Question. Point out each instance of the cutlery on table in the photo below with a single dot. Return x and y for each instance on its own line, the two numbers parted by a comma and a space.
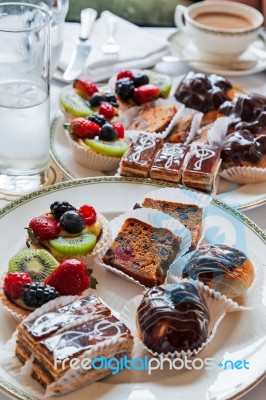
237, 65
111, 47
83, 46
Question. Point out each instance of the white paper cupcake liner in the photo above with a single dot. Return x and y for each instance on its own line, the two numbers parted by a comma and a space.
128, 115
195, 123
243, 175
254, 295
217, 306
184, 196
91, 159
158, 220
218, 131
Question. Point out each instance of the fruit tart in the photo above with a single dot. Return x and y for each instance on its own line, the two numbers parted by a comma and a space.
96, 143
140, 87
35, 277
84, 98
68, 232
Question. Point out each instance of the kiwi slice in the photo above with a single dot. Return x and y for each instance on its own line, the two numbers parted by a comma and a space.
115, 148
73, 246
163, 81
38, 263
72, 103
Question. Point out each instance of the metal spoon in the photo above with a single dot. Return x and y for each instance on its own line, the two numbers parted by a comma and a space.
238, 65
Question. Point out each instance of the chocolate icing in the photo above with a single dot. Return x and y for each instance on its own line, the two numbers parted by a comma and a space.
84, 337
170, 157
143, 150
244, 146
213, 262
247, 107
174, 318
52, 321
202, 159
257, 127
203, 93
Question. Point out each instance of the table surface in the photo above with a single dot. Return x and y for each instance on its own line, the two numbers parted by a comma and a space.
254, 83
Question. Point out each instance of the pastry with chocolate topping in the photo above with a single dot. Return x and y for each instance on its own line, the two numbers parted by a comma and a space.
139, 156
223, 268
201, 167
204, 93
243, 148
174, 318
247, 107
168, 162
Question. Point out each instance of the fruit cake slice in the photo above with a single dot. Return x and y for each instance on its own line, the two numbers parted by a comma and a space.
190, 215
153, 119
143, 252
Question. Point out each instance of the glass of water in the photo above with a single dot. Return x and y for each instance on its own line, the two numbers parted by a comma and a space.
24, 97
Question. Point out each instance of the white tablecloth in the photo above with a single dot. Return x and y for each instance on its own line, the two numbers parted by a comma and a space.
255, 83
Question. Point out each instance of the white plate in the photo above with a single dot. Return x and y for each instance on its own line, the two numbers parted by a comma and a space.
241, 335
240, 197
183, 47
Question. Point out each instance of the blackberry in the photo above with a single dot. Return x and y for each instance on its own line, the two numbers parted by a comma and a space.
58, 208
98, 119
36, 294
140, 79
72, 222
125, 88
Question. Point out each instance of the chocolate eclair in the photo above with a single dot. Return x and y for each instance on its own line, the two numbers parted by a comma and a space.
173, 318
223, 268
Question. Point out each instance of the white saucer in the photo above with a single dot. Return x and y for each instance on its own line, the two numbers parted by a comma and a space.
183, 47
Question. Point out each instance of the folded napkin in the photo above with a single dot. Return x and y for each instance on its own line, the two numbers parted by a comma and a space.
138, 49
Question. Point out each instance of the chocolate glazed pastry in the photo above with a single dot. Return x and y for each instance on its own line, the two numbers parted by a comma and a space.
243, 148
247, 107
257, 127
221, 267
204, 93
173, 318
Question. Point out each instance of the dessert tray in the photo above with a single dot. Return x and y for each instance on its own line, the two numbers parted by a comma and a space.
240, 197
241, 335
183, 47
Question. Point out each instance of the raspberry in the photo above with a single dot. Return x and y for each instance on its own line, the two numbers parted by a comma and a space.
88, 213
85, 87
44, 228
14, 284
119, 129
36, 294
69, 278
124, 74
107, 110
83, 128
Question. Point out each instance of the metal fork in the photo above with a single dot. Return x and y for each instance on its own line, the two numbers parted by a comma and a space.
111, 48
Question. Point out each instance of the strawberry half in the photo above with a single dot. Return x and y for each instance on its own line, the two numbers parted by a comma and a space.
69, 278
145, 93
85, 87
14, 284
83, 128
43, 228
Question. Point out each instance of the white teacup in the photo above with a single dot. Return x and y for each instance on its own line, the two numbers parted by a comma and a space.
219, 28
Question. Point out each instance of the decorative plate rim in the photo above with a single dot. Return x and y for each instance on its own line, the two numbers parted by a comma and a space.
10, 389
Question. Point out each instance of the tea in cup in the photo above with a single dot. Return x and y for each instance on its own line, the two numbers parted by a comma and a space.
219, 28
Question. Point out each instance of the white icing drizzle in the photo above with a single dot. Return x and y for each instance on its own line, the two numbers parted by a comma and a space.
101, 326
203, 154
145, 143
173, 153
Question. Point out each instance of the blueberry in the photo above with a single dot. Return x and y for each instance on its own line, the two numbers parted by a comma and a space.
140, 79
108, 132
98, 119
96, 99
72, 222
114, 104
110, 96
125, 88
